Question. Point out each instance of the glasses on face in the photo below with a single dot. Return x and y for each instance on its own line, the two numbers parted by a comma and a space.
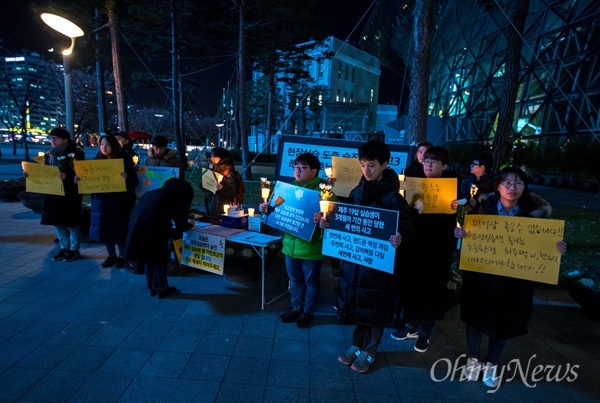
510, 184
301, 168
432, 162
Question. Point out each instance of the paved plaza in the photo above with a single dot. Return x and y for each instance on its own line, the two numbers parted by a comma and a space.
79, 332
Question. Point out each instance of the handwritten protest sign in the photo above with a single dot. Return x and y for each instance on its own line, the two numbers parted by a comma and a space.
517, 247
361, 235
203, 250
294, 209
43, 179
436, 193
100, 176
347, 174
210, 180
152, 177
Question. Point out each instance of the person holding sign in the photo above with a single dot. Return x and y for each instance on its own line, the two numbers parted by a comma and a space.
64, 212
366, 295
303, 259
110, 211
151, 227
159, 155
494, 305
422, 280
228, 189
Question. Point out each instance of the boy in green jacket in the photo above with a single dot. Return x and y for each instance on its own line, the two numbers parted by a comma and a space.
303, 259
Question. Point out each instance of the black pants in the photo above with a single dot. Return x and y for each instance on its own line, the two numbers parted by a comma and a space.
367, 338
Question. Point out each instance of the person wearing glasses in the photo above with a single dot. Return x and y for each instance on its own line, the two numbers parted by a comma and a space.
423, 277
481, 176
303, 259
492, 305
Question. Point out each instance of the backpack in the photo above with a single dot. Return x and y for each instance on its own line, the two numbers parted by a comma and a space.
239, 196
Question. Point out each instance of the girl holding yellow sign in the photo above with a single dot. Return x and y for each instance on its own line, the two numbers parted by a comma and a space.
495, 305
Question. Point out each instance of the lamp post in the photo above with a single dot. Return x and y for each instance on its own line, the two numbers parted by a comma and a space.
219, 125
72, 31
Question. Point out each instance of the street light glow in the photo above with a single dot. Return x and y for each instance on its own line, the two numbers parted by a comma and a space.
62, 25
71, 30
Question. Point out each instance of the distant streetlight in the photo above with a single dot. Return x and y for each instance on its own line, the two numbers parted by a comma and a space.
219, 125
72, 31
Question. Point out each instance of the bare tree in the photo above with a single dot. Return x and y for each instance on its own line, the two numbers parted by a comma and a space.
419, 71
506, 112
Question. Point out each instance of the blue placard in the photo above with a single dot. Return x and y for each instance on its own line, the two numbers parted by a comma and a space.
361, 235
293, 209
292, 146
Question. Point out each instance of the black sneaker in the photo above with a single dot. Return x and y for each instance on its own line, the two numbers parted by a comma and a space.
72, 255
60, 255
153, 293
304, 319
289, 316
110, 261
422, 344
405, 333
120, 263
166, 292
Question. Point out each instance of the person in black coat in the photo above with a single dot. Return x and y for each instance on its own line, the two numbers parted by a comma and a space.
64, 212
150, 230
481, 176
415, 169
110, 211
227, 188
494, 305
366, 295
422, 280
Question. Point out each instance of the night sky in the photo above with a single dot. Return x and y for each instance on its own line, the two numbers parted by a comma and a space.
21, 29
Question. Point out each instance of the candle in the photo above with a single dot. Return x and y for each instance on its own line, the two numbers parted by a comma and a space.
250, 211
41, 154
401, 177
226, 208
329, 172
459, 241
324, 204
135, 159
265, 193
402, 192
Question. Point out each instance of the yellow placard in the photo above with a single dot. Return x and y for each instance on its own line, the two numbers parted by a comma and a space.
436, 194
43, 179
100, 176
347, 174
177, 245
517, 247
210, 180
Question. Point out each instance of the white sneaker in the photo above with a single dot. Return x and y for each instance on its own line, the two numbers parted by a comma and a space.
471, 369
489, 375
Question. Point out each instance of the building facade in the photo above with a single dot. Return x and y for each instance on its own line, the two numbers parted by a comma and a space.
559, 80
31, 96
338, 99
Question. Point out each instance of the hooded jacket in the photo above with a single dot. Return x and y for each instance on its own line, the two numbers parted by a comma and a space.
64, 210
496, 305
366, 295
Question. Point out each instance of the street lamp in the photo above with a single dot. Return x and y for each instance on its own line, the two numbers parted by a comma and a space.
72, 31
219, 125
